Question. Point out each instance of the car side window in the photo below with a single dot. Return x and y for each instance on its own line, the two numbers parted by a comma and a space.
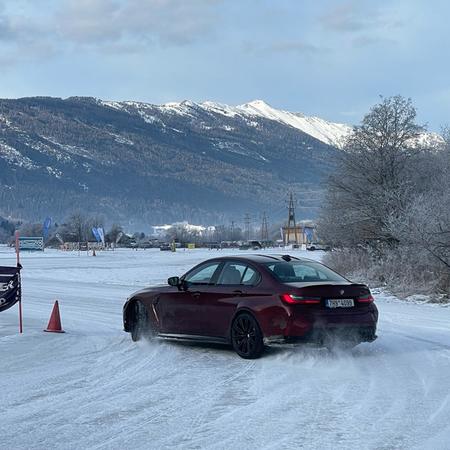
231, 273
203, 274
237, 273
251, 277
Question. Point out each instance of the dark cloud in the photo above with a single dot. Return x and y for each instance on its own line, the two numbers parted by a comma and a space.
5, 29
168, 22
344, 17
295, 47
292, 47
22, 39
106, 25
10, 30
353, 17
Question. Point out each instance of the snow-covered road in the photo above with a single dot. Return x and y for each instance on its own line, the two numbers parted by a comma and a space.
94, 388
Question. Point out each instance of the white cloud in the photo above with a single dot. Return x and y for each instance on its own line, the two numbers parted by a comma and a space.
107, 25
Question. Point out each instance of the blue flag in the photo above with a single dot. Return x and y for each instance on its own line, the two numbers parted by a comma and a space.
46, 227
309, 233
96, 234
101, 235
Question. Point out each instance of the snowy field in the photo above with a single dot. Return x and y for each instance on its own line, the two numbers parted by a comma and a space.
92, 387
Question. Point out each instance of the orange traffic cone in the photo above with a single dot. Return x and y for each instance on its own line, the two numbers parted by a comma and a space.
54, 324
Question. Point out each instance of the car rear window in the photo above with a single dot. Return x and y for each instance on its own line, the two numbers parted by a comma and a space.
302, 272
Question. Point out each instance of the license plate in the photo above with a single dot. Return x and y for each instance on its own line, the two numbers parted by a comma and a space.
340, 303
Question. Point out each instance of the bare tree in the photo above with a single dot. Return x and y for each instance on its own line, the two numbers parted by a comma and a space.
78, 227
388, 204
114, 232
31, 229
424, 223
373, 179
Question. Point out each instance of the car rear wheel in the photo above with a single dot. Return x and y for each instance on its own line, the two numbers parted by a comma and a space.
139, 322
246, 337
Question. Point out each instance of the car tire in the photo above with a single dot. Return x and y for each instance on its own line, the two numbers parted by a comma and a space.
139, 322
246, 336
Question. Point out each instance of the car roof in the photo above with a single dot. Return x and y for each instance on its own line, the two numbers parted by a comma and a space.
258, 258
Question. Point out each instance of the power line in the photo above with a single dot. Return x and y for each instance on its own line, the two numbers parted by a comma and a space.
291, 223
264, 229
247, 225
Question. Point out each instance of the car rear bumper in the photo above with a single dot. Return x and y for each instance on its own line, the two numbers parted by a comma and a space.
323, 336
318, 326
338, 333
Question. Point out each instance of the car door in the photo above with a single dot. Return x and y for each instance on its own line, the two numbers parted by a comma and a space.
180, 311
235, 282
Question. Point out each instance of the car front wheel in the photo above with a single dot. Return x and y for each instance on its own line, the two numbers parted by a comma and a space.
139, 322
246, 337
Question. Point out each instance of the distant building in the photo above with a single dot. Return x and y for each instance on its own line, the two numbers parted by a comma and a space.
302, 233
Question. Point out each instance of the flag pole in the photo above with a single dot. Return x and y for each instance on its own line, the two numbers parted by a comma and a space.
20, 287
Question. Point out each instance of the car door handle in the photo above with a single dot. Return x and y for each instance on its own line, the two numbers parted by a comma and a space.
238, 292
196, 294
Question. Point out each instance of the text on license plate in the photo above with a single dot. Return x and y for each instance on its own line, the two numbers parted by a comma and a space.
340, 303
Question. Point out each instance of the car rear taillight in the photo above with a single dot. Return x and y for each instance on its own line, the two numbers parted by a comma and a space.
366, 298
292, 299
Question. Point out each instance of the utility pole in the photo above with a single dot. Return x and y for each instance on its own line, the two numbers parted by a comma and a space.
291, 224
232, 231
264, 229
247, 222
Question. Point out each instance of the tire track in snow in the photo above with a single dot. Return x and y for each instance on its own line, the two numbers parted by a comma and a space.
173, 410
233, 384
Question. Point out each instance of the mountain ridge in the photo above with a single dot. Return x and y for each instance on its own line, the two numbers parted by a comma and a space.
141, 164
331, 133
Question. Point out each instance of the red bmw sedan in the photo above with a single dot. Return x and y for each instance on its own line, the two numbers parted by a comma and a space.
253, 300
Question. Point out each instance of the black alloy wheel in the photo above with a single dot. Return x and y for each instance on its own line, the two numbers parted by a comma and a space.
246, 337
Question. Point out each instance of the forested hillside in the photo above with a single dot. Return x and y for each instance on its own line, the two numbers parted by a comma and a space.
139, 164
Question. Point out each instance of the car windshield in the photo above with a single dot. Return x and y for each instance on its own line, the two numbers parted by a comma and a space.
302, 272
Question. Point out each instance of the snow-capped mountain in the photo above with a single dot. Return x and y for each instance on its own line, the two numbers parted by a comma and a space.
145, 164
328, 132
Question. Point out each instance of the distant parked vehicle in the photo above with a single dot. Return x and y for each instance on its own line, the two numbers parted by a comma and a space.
129, 243
253, 300
318, 246
145, 245
253, 245
165, 247
229, 244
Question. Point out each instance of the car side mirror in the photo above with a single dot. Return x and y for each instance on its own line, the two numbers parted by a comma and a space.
174, 281
181, 284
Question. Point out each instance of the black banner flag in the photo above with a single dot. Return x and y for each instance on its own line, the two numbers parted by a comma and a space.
10, 292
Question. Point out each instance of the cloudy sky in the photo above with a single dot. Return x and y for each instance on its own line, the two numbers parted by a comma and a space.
329, 58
